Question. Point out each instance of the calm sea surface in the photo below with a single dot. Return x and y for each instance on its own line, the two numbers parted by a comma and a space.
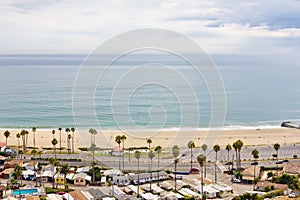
36, 90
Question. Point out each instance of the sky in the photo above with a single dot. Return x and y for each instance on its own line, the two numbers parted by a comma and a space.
220, 27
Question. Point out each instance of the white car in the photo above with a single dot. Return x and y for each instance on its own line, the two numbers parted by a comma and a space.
292, 195
236, 180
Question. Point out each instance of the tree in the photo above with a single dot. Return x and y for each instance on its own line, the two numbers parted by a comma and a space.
54, 163
216, 149
254, 153
234, 145
34, 131
149, 141
24, 135
59, 129
21, 152
137, 156
67, 130
69, 143
34, 152
94, 163
151, 156
277, 147
118, 140
64, 169
158, 151
6, 134
204, 148
123, 138
54, 143
73, 137
175, 152
53, 133
18, 172
201, 159
18, 136
191, 145
238, 146
40, 166
93, 132
228, 149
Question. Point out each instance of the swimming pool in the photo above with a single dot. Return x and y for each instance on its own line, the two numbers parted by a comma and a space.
25, 191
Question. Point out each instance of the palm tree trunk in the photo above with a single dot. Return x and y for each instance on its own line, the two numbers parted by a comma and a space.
228, 161
33, 140
216, 167
158, 169
73, 142
205, 166
59, 142
151, 175
123, 156
175, 176
202, 179
138, 178
191, 159
119, 157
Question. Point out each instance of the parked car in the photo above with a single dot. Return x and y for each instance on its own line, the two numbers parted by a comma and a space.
236, 180
292, 195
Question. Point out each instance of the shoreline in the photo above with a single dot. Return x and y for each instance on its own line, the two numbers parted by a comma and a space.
256, 136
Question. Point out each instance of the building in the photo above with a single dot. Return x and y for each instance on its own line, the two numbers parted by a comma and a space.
223, 190
149, 196
28, 175
12, 163
189, 193
112, 172
121, 180
248, 173
292, 168
7, 173
2, 146
78, 195
59, 179
31, 165
146, 177
263, 185
82, 179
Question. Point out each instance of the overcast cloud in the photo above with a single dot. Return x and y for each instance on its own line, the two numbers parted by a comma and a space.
77, 26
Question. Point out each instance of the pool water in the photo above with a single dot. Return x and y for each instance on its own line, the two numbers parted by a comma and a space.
25, 191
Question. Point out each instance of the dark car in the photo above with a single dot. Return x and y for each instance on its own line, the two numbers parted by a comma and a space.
254, 163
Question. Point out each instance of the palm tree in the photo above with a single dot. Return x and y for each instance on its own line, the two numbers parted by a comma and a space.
33, 130
149, 141
67, 130
69, 141
123, 138
216, 149
18, 172
175, 152
201, 159
151, 155
228, 149
6, 134
59, 129
93, 132
18, 136
158, 151
234, 145
54, 143
191, 145
64, 169
137, 156
21, 152
204, 148
34, 152
53, 163
53, 133
24, 135
255, 153
118, 140
39, 166
277, 147
238, 146
94, 163
73, 131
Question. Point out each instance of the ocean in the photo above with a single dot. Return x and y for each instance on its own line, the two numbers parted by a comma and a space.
37, 90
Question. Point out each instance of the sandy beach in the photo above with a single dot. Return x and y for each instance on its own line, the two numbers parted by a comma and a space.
165, 138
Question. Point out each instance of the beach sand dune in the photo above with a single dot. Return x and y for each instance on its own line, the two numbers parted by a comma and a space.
165, 138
